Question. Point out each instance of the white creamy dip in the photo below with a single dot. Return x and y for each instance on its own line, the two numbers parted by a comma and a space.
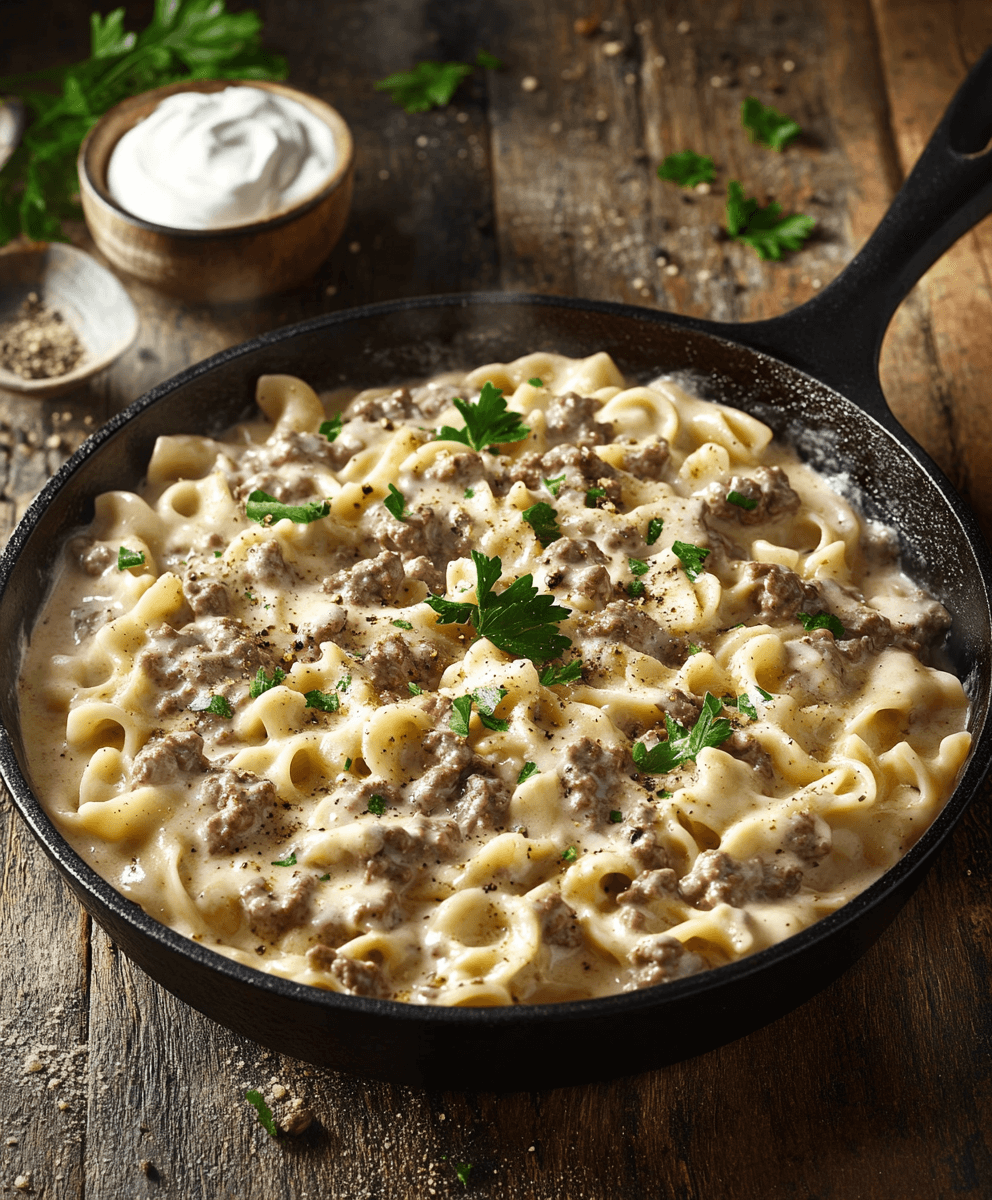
208, 160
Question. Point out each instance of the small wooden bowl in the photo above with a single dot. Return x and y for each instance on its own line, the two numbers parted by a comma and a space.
94, 304
238, 262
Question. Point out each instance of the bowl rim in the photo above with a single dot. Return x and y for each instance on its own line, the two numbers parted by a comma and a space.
340, 131
42, 388
909, 868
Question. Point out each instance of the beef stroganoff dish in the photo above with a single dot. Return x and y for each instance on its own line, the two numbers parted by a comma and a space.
514, 686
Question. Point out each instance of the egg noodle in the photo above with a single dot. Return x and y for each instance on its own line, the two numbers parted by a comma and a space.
252, 722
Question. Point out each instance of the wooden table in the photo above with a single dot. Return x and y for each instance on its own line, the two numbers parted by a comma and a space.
879, 1087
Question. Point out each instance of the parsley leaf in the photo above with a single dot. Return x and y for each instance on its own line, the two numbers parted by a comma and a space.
554, 485
129, 558
543, 519
635, 588
395, 502
822, 620
766, 696
517, 620
461, 715
594, 495
616, 816
536, 382
343, 684
330, 429
553, 676
286, 862
487, 422
683, 744
694, 649
347, 764
39, 185
267, 509
402, 624
469, 493
265, 1118
766, 125
655, 526
570, 855
415, 689
526, 771
328, 702
687, 169
486, 700
428, 85
746, 706
377, 805
462, 1171
488, 62
217, 705
742, 501
638, 566
263, 683
691, 557
764, 229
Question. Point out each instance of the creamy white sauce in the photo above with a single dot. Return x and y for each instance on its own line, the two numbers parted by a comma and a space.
210, 160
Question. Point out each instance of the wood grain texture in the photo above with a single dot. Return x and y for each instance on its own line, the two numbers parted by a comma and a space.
879, 1088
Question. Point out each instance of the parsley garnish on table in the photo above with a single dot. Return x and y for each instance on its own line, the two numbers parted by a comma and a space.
684, 744
265, 1118
487, 421
766, 125
517, 620
687, 169
765, 230
266, 509
186, 39
432, 84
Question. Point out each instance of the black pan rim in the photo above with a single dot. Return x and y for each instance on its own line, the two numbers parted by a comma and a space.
113, 902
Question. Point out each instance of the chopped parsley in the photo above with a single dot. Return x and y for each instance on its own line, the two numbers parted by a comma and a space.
543, 519
638, 566
265, 1118
594, 495
526, 771
263, 682
432, 84
377, 805
535, 382
402, 624
742, 501
616, 816
462, 1171
694, 649
765, 230
343, 684
330, 429
347, 764
395, 502
487, 61
415, 689
554, 485
570, 855
687, 169
552, 676
766, 125
655, 526
218, 554
469, 493
635, 588
487, 422
323, 878
129, 558
328, 702
691, 557
286, 862
684, 744
746, 706
763, 694
822, 620
216, 705
517, 620
486, 700
267, 510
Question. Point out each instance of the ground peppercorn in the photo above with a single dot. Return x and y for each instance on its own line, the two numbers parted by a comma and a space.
39, 344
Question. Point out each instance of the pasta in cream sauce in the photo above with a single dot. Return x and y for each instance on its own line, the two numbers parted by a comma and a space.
260, 730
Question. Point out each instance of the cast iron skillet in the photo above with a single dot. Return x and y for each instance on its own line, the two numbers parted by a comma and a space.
812, 375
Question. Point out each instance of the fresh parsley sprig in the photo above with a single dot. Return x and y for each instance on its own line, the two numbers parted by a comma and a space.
687, 169
543, 519
684, 744
432, 84
186, 39
487, 422
517, 620
266, 509
766, 125
764, 229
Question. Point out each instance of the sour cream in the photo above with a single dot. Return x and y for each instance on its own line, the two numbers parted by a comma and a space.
206, 160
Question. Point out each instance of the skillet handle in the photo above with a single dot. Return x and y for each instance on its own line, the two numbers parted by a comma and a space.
837, 336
